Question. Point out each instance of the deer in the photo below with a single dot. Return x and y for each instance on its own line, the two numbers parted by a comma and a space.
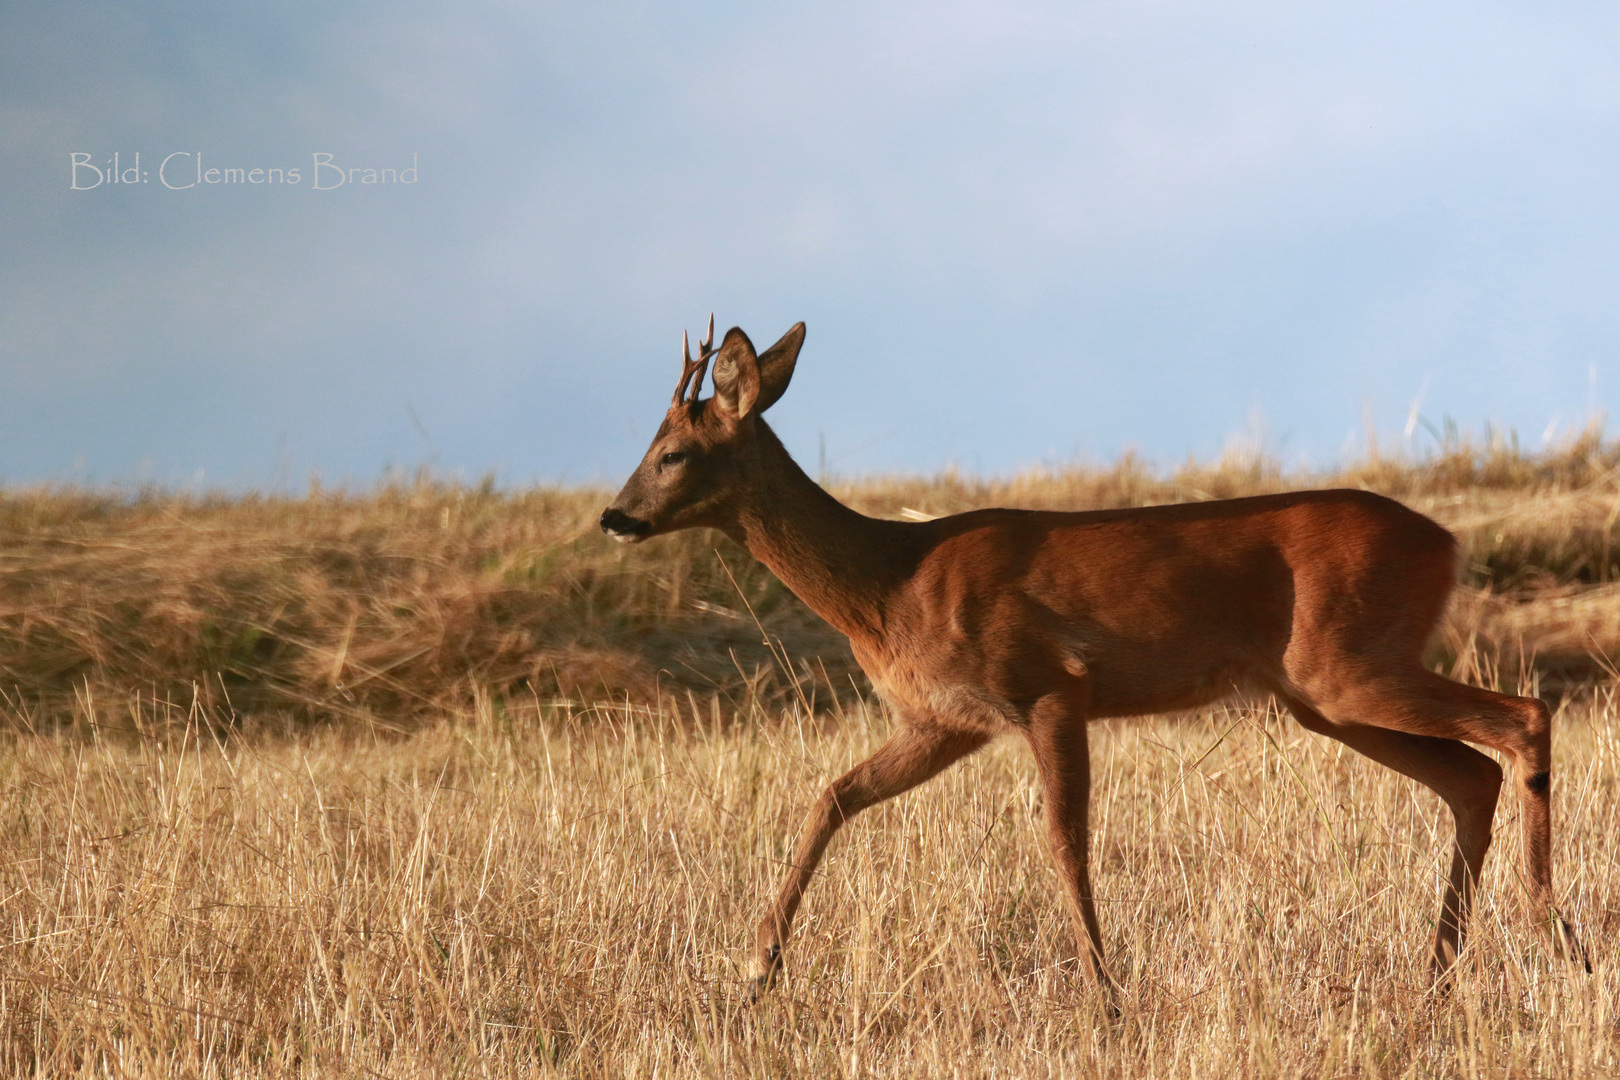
1040, 623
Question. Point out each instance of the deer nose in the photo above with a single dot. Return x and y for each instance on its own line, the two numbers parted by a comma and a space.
621, 526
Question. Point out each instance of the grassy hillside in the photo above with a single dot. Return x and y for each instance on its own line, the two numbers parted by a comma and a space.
407, 599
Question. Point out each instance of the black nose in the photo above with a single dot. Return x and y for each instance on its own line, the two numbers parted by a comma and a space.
616, 522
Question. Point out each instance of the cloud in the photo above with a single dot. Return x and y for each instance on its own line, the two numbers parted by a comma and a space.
1020, 230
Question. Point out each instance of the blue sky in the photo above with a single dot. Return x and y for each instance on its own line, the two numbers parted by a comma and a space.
1020, 233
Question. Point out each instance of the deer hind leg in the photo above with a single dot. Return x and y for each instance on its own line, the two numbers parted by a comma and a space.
1057, 735
1464, 778
912, 755
1423, 703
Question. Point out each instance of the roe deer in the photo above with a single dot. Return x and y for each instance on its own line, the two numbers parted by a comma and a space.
1038, 622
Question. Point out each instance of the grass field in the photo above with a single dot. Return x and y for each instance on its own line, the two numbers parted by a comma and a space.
533, 892
431, 781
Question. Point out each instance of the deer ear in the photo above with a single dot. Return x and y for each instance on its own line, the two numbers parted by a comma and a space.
776, 367
736, 376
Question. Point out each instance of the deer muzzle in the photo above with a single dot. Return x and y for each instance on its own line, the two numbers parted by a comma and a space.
624, 528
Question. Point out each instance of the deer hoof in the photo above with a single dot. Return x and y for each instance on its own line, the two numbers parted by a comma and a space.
768, 967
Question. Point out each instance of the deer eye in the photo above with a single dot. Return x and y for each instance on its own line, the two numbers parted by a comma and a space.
673, 458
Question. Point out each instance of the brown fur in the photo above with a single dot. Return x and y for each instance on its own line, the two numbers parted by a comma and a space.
1037, 622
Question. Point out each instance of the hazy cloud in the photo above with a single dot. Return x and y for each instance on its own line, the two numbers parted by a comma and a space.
1018, 231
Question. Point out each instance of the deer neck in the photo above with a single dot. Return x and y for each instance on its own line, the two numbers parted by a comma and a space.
844, 565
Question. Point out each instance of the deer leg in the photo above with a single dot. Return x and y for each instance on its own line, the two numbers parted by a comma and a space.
1424, 703
1532, 774
1464, 778
913, 754
1057, 735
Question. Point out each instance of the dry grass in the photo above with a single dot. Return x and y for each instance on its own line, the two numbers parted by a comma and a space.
538, 892
406, 600
457, 788
400, 601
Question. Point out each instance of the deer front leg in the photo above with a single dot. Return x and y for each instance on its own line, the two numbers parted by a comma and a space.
1057, 735
913, 754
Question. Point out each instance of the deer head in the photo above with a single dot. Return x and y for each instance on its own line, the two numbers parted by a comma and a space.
703, 459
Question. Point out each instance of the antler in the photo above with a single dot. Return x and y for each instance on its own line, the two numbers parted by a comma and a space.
690, 367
